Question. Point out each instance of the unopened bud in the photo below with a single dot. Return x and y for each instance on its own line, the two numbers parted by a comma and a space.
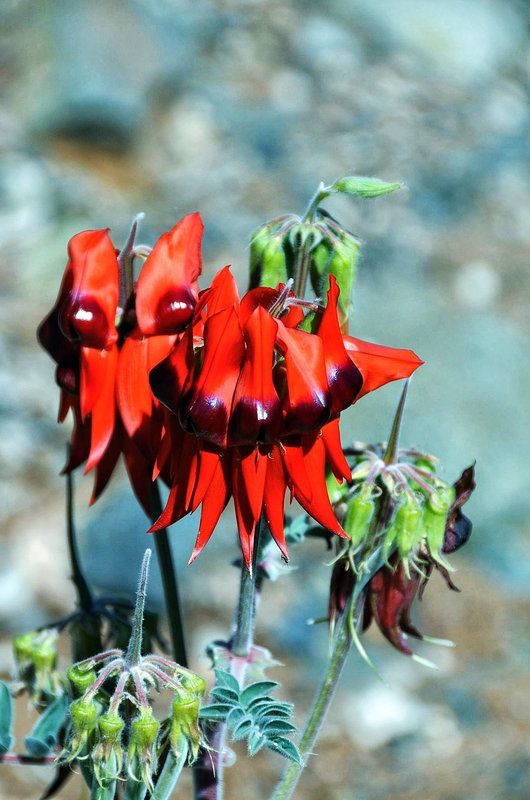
184, 720
107, 755
435, 517
193, 683
357, 520
81, 679
142, 755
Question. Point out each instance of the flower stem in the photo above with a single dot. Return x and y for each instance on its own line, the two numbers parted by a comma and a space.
169, 581
83, 591
134, 651
246, 604
208, 769
342, 645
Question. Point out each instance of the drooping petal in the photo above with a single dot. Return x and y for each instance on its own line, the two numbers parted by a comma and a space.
316, 502
103, 413
136, 403
344, 379
214, 503
89, 310
306, 403
256, 412
379, 364
205, 409
334, 453
390, 594
170, 379
49, 333
167, 290
274, 497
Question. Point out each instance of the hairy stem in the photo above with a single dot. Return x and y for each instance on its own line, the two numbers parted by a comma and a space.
169, 581
290, 778
208, 769
134, 650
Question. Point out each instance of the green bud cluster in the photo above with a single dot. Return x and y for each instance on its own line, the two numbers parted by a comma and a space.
409, 501
36, 665
117, 735
327, 248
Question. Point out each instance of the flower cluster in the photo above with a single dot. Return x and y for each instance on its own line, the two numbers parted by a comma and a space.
221, 396
105, 333
402, 519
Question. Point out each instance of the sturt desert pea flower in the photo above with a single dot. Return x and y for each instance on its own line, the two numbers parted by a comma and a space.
255, 404
105, 336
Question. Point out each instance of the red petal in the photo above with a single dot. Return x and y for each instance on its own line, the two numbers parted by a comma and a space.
316, 503
89, 310
167, 290
135, 400
391, 594
274, 498
334, 454
205, 410
344, 379
222, 293
103, 414
379, 364
105, 466
214, 503
256, 412
171, 378
307, 402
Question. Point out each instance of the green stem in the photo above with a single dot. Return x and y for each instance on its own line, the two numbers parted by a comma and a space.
391, 448
246, 604
208, 769
317, 715
134, 650
83, 591
169, 581
321, 193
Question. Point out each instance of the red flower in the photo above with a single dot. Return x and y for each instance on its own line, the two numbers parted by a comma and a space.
104, 356
256, 403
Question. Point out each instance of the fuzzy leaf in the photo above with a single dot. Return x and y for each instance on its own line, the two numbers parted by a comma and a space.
285, 747
256, 691
270, 707
225, 695
357, 186
217, 712
278, 727
6, 715
242, 729
236, 715
256, 740
225, 679
45, 733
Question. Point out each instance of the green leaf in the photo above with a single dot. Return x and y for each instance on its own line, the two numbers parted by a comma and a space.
236, 714
45, 733
6, 715
242, 729
357, 186
225, 695
223, 678
285, 747
278, 727
255, 691
271, 707
256, 740
217, 712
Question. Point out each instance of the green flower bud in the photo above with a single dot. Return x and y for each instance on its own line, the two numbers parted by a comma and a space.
142, 756
193, 683
343, 265
83, 715
404, 530
184, 720
80, 678
357, 520
23, 647
435, 518
273, 267
107, 756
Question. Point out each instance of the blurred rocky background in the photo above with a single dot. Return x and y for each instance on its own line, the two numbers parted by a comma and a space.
238, 109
